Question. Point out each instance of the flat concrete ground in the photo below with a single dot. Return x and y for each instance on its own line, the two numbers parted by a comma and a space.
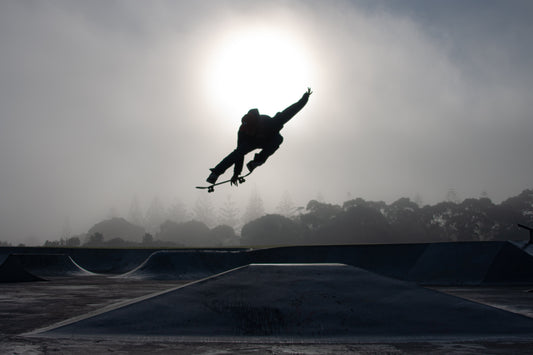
516, 299
28, 306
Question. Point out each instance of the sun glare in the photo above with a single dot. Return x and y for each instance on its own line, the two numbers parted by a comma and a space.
260, 68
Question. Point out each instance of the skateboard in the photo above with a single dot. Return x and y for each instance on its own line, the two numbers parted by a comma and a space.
211, 188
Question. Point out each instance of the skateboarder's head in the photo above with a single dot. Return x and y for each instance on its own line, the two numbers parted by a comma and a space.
251, 117
253, 112
249, 121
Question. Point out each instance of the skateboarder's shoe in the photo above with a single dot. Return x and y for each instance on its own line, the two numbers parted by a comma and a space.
212, 178
251, 165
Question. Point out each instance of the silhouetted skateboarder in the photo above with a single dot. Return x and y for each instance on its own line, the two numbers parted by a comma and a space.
257, 132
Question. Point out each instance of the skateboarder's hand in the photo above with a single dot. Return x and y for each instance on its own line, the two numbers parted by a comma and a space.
234, 180
308, 92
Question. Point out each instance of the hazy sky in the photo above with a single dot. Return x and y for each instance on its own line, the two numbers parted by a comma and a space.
101, 101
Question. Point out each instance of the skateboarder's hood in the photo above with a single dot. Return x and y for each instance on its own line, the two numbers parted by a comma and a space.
251, 120
251, 117
254, 112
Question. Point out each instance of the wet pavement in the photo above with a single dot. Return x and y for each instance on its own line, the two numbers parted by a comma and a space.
31, 305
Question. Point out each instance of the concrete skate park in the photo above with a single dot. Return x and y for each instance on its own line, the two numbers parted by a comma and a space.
468, 297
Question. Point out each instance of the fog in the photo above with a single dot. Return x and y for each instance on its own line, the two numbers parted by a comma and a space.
102, 102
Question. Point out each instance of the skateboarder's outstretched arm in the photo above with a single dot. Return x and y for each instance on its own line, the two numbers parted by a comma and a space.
285, 115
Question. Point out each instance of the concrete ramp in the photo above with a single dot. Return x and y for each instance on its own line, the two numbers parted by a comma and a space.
393, 260
454, 263
305, 302
512, 265
11, 270
459, 263
50, 265
3, 257
472, 263
187, 265
109, 260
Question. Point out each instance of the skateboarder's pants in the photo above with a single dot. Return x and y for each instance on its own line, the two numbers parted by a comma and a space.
267, 149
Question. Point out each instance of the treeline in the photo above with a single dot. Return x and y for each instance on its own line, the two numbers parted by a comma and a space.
119, 233
356, 221
403, 221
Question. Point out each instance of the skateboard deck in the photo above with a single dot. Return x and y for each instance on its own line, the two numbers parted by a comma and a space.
211, 187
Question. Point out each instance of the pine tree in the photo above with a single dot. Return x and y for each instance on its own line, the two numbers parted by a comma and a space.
418, 200
112, 213
135, 214
451, 196
155, 216
204, 211
255, 208
177, 212
286, 206
66, 233
228, 214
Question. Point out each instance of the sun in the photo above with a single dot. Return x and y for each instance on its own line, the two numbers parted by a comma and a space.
260, 68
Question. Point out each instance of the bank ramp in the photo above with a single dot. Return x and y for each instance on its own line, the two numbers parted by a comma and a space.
456, 263
50, 265
296, 303
11, 270
187, 265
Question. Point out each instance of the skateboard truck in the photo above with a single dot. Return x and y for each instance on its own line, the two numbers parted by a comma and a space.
212, 188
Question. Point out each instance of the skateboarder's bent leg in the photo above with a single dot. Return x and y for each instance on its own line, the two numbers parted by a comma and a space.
268, 149
225, 163
232, 158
